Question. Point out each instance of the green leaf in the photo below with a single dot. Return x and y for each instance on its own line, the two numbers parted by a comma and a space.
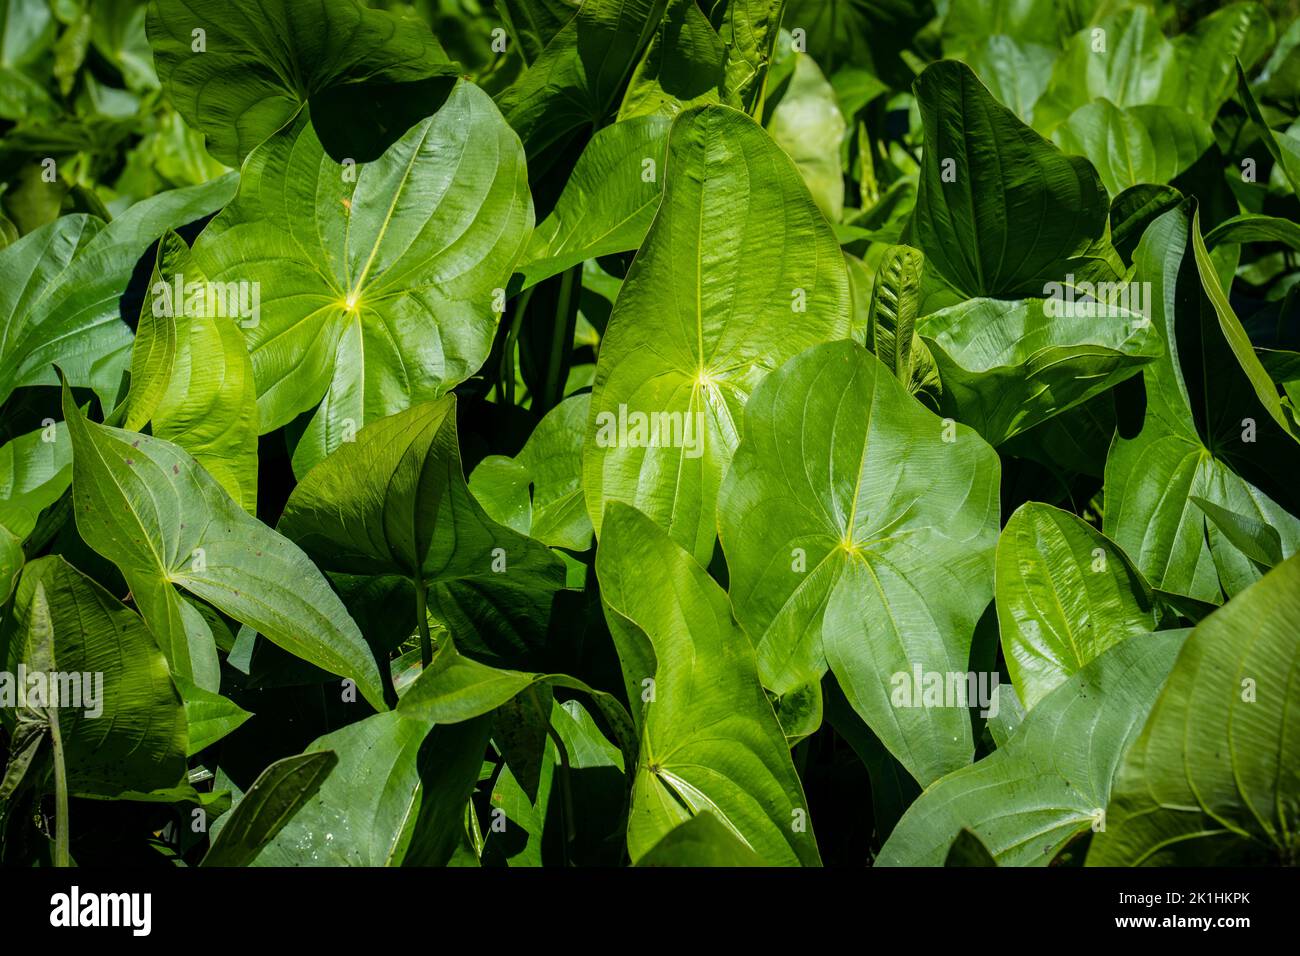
378, 284
1256, 540
126, 729
396, 797
1137, 66
808, 125
59, 288
455, 688
279, 791
891, 322
27, 31
553, 457
210, 716
857, 534
1136, 208
35, 471
750, 32
1052, 780
1212, 780
578, 78
149, 507
1212, 428
1033, 21
607, 203
11, 562
682, 67
1284, 148
118, 33
1124, 57
261, 61
709, 738
1280, 79
34, 719
1015, 71
1206, 54
534, 23
1065, 593
1141, 144
872, 34
191, 375
545, 480
154, 351
1250, 227
503, 487
988, 212
1009, 716
395, 501
1008, 366
700, 841
738, 273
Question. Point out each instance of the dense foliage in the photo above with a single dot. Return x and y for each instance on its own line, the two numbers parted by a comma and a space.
666, 432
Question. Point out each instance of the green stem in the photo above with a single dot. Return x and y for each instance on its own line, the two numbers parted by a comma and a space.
508, 375
422, 619
566, 320
61, 857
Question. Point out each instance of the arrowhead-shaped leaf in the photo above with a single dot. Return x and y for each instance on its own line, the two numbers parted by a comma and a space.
1213, 428
738, 273
395, 501
710, 740
152, 510
1214, 778
859, 530
376, 282
455, 688
210, 716
1052, 780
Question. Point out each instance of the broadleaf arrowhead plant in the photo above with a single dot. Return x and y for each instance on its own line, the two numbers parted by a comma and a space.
649, 433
